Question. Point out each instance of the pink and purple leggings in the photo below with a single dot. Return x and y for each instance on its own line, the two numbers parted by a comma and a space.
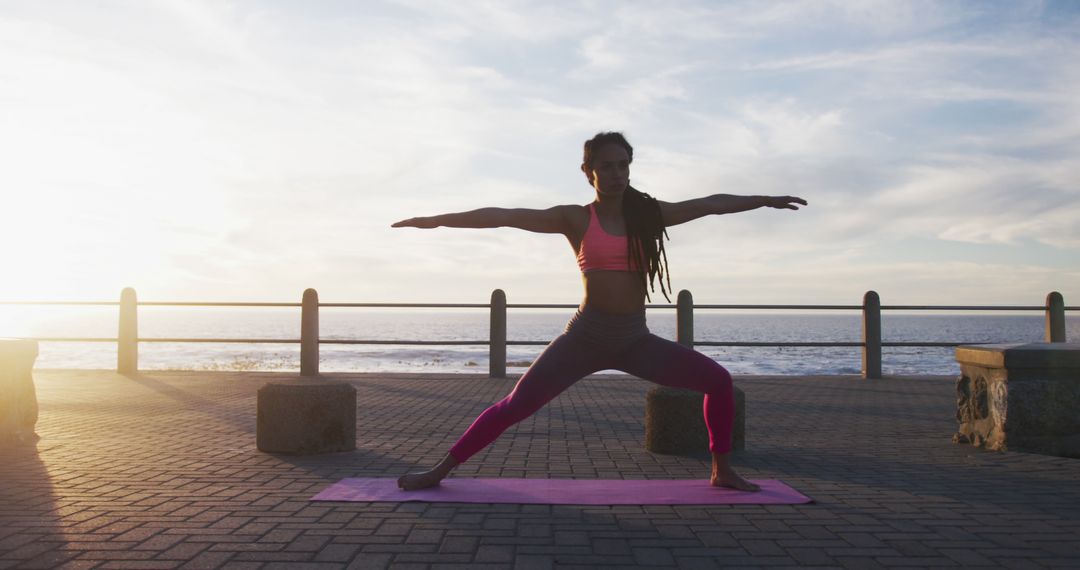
596, 341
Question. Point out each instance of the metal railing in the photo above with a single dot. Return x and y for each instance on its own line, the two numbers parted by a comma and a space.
128, 338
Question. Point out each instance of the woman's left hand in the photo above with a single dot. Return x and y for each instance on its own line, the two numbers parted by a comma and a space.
784, 202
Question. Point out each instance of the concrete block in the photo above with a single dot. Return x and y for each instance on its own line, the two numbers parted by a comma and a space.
675, 421
18, 398
306, 417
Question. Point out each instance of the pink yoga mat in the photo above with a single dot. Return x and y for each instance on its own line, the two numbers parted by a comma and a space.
564, 492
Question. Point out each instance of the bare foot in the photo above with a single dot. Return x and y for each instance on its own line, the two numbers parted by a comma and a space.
724, 476
414, 481
732, 480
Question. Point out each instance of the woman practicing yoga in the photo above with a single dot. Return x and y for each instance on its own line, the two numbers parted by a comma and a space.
619, 243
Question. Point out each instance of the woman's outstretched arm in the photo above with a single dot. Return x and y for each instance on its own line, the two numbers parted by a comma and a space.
675, 213
556, 220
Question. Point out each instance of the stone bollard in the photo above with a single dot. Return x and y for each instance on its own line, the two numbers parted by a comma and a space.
675, 422
1020, 397
18, 398
306, 417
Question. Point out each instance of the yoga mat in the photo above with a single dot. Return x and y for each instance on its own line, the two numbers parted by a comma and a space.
564, 492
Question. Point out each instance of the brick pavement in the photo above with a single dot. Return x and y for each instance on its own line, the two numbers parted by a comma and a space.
160, 470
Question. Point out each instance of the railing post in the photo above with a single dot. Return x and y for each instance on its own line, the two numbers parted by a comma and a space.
127, 343
684, 319
1055, 317
871, 357
309, 334
497, 347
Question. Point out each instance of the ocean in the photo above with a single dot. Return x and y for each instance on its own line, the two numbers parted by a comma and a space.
522, 324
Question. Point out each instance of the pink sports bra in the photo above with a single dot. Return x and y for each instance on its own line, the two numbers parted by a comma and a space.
601, 250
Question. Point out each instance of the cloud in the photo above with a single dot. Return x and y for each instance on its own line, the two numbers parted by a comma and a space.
785, 130
601, 54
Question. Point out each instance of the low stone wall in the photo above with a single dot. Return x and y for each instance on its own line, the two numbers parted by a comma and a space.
1020, 397
18, 399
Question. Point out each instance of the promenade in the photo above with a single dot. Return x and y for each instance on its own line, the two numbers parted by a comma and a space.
160, 470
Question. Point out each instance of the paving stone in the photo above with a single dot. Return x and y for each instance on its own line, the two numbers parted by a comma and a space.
859, 562
811, 556
534, 562
280, 535
494, 553
366, 561
48, 559
337, 553
139, 565
696, 563
762, 547
307, 544
207, 560
651, 557
459, 544
301, 566
287, 557
424, 537
967, 557
76, 565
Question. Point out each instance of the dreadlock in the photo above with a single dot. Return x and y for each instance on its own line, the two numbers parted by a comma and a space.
644, 224
646, 229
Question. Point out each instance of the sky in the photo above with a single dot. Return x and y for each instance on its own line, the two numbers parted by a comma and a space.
247, 151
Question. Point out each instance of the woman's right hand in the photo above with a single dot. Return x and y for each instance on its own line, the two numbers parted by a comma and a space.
420, 222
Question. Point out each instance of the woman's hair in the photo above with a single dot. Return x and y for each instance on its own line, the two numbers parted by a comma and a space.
644, 224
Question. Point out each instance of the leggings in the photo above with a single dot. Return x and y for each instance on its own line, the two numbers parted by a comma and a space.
597, 341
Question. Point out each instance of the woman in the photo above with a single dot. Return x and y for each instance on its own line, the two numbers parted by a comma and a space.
608, 331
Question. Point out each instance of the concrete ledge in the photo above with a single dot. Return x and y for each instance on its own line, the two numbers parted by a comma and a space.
675, 422
18, 398
1014, 356
1020, 397
306, 417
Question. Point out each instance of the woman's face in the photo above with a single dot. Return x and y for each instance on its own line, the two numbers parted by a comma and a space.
609, 172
